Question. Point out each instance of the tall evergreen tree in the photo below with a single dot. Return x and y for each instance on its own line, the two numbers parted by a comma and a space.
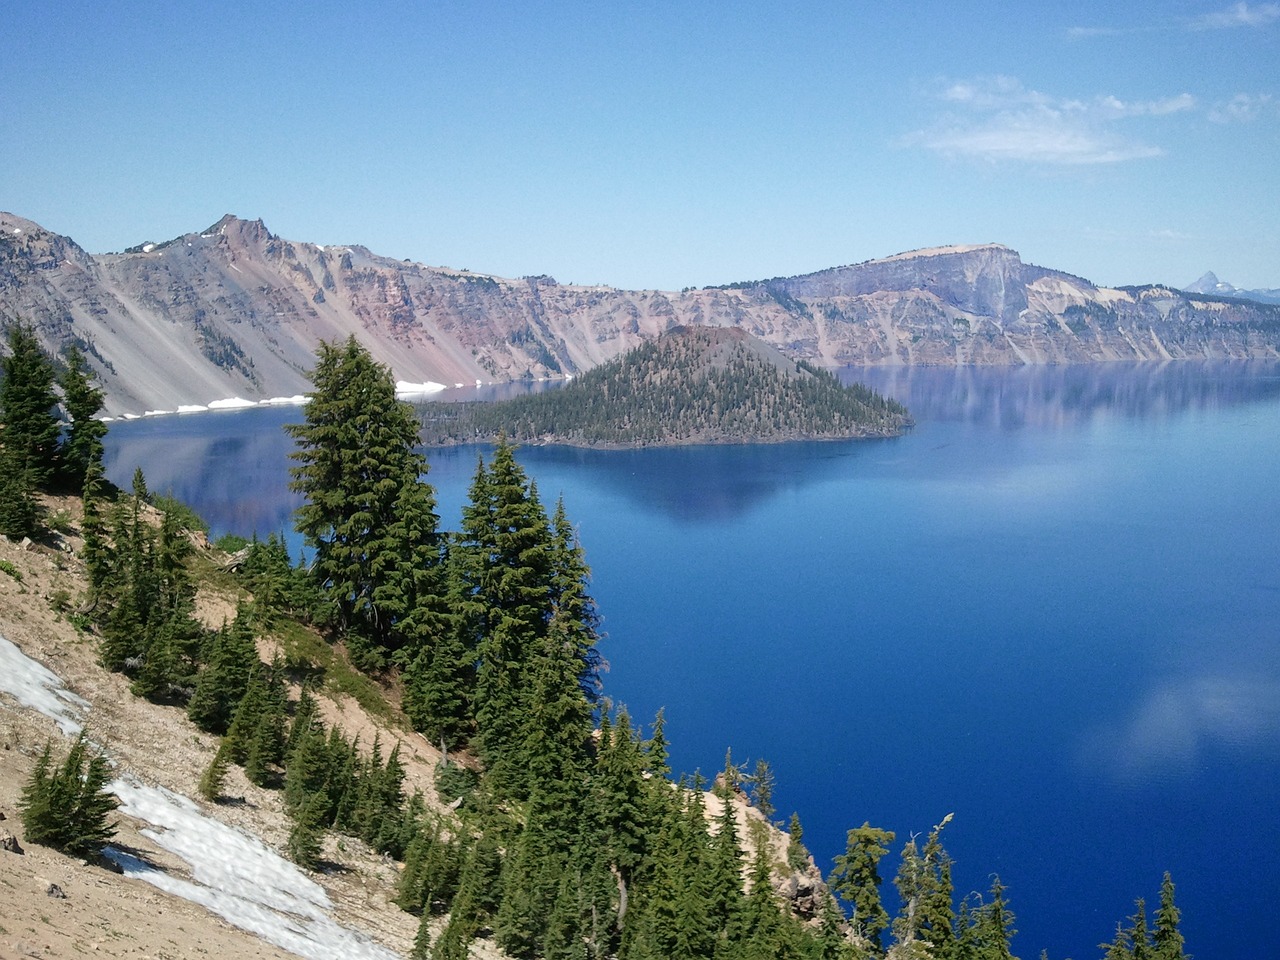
19, 510
29, 426
994, 923
1139, 938
936, 910
856, 879
225, 678
82, 401
357, 469
1167, 938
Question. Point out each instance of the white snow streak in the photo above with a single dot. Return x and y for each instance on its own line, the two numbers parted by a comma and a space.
234, 875
238, 878
406, 389
34, 685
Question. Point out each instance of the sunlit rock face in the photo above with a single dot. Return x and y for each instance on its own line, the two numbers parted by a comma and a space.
235, 311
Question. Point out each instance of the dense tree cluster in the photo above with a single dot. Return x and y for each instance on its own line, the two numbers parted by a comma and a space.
39, 452
693, 385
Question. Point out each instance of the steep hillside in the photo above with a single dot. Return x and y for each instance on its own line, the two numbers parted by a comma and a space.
196, 877
234, 310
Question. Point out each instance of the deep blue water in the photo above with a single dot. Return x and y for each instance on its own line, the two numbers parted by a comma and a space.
1052, 609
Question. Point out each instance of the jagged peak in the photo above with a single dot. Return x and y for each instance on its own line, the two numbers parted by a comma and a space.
230, 223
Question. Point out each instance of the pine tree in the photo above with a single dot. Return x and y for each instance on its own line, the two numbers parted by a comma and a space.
1139, 939
307, 770
212, 779
856, 879
249, 711
19, 511
357, 467
506, 535
797, 853
307, 836
936, 911
68, 808
1167, 939
266, 744
29, 427
422, 939
96, 556
225, 678
81, 400
994, 923
1120, 946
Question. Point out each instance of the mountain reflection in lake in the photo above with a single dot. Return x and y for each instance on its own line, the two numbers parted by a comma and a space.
1052, 608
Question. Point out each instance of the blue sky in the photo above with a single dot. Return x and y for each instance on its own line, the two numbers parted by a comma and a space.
659, 145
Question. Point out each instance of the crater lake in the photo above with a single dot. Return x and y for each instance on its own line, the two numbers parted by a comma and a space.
1052, 609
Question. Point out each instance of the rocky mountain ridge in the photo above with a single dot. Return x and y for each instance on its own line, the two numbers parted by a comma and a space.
1209, 283
235, 310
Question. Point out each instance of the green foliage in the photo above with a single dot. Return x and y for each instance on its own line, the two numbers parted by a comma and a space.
307, 834
68, 807
1167, 939
29, 427
82, 401
182, 515
454, 781
856, 880
212, 779
19, 512
231, 543
367, 514
144, 597
222, 684
694, 384
925, 891
11, 570
797, 854
984, 931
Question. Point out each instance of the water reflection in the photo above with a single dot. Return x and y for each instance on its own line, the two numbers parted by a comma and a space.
233, 467
1014, 397
1170, 731
705, 484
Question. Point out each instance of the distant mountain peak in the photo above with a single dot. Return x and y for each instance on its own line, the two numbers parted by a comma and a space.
1210, 284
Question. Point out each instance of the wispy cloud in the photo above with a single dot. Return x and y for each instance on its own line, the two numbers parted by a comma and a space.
1238, 15
998, 119
1244, 107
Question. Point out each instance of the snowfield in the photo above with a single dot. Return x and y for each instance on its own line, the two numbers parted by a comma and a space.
35, 686
232, 874
237, 877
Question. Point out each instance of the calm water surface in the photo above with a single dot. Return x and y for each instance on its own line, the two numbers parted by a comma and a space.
1052, 609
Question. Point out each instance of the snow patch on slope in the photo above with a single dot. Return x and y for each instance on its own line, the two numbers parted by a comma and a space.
237, 877
34, 685
234, 875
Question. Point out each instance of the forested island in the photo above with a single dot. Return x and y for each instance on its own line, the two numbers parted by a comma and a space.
555, 827
690, 385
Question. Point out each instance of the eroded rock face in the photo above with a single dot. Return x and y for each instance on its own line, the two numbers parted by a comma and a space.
234, 310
